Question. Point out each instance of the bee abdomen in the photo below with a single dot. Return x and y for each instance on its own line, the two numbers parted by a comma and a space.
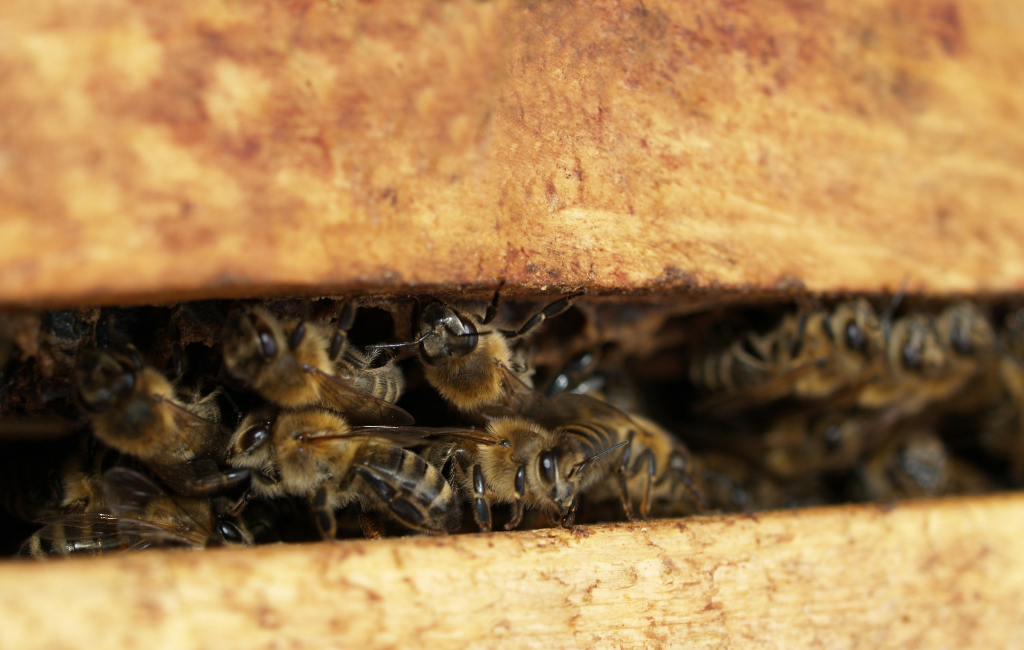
595, 436
383, 383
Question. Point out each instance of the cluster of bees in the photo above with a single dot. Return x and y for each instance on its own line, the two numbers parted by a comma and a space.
250, 422
851, 404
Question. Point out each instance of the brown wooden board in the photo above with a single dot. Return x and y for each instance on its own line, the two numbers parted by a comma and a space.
922, 575
159, 150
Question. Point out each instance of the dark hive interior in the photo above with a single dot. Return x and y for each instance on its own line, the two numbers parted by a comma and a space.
687, 406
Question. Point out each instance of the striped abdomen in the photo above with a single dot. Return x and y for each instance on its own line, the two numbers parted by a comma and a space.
385, 383
414, 491
595, 436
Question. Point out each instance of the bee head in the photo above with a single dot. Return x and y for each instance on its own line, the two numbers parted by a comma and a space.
445, 333
966, 330
250, 447
915, 345
103, 380
228, 533
252, 340
856, 327
556, 473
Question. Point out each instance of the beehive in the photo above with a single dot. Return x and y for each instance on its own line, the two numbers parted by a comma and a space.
159, 151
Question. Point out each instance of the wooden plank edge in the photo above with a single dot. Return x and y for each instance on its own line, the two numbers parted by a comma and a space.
926, 574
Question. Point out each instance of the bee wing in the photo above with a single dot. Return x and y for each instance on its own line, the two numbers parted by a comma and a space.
213, 436
357, 406
79, 526
568, 407
129, 494
411, 436
517, 398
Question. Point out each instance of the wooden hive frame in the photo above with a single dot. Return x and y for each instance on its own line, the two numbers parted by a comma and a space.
161, 151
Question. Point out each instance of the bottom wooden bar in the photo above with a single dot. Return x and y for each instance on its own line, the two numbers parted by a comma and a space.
930, 574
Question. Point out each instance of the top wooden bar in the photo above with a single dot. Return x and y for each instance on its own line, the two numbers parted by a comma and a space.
159, 150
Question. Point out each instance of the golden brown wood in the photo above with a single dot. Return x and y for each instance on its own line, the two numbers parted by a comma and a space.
153, 150
926, 575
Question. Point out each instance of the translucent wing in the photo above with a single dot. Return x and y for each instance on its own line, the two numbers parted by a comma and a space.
517, 397
357, 406
143, 508
90, 533
411, 436
79, 526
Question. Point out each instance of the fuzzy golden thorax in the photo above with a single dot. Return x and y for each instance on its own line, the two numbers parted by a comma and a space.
462, 358
304, 462
258, 352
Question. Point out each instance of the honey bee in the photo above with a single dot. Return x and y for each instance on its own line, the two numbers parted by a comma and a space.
469, 361
135, 410
931, 360
811, 355
139, 514
578, 446
298, 364
916, 464
807, 442
316, 453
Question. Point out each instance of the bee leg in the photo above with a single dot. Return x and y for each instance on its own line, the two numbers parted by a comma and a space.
624, 475
404, 510
237, 507
213, 483
481, 506
550, 311
325, 520
520, 502
492, 309
569, 518
652, 468
372, 525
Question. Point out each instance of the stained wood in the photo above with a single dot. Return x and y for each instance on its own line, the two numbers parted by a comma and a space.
160, 149
925, 575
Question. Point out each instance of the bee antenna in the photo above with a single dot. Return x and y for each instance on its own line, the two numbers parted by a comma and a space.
408, 344
580, 466
894, 304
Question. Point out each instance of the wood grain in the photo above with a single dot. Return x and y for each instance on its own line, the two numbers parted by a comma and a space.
158, 150
923, 575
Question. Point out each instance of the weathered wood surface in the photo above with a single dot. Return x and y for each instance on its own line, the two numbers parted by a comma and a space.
160, 149
927, 575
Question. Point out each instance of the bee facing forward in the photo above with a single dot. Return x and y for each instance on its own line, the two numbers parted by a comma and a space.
468, 360
297, 364
315, 453
136, 410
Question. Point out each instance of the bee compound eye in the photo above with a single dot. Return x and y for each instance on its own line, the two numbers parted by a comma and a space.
268, 346
230, 532
960, 339
855, 336
255, 437
833, 436
912, 357
548, 466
